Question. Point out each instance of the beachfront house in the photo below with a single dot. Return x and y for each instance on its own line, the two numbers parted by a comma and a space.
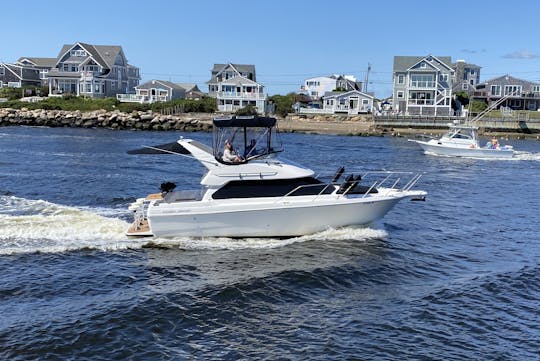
94, 71
235, 87
522, 94
466, 77
42, 64
17, 76
161, 91
350, 102
317, 87
423, 85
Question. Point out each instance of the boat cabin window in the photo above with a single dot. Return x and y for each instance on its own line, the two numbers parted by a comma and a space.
245, 138
272, 188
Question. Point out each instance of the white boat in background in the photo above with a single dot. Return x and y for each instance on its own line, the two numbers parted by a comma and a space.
259, 195
462, 141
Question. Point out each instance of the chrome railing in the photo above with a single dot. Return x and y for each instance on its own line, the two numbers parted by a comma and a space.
398, 177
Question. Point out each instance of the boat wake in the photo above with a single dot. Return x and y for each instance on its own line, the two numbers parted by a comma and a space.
32, 226
225, 243
518, 156
29, 226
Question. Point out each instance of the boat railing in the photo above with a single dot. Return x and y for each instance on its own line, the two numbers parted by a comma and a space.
414, 178
396, 176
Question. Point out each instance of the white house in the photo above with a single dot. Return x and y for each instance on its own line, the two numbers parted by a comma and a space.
317, 87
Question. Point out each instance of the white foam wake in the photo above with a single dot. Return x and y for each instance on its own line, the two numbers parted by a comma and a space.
224, 243
28, 226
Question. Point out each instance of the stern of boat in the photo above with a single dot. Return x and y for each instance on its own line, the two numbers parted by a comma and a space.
140, 226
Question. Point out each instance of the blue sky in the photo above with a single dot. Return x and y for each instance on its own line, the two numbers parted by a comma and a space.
287, 41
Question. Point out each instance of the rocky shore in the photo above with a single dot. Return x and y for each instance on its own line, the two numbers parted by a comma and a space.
359, 125
104, 119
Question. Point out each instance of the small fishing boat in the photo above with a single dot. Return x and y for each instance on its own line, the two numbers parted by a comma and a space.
462, 141
248, 191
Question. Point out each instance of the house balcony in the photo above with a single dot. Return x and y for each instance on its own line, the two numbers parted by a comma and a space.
241, 95
423, 84
421, 102
89, 75
137, 98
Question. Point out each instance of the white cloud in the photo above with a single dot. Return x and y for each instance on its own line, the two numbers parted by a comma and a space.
520, 54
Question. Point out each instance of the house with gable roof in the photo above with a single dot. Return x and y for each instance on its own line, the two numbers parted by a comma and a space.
95, 71
349, 102
317, 87
235, 86
16, 76
161, 91
423, 85
521, 94
42, 64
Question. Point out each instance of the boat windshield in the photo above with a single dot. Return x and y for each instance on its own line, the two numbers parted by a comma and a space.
240, 139
459, 133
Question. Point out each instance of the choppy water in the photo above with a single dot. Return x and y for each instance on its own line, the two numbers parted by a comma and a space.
454, 278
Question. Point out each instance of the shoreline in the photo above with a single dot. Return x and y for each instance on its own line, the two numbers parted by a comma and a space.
354, 126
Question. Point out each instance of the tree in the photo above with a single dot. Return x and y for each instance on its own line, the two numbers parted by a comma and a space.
284, 103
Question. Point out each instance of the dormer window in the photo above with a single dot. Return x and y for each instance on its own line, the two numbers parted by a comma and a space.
77, 53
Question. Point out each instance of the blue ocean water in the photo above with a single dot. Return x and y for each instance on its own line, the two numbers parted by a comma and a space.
456, 277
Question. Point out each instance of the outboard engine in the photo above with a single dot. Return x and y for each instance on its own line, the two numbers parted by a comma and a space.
167, 187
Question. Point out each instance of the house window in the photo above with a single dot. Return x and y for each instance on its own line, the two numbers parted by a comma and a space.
512, 89
401, 79
74, 68
2, 71
78, 53
464, 86
65, 67
88, 87
423, 80
365, 101
443, 77
422, 65
535, 88
314, 94
400, 94
495, 90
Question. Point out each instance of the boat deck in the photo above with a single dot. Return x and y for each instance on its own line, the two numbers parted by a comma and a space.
140, 229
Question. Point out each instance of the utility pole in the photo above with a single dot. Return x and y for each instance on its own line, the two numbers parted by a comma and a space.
367, 77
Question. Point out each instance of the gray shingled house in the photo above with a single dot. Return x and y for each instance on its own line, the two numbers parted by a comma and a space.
16, 76
95, 71
522, 94
44, 65
423, 85
235, 86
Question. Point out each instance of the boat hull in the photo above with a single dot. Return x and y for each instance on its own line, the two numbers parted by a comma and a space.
438, 149
269, 219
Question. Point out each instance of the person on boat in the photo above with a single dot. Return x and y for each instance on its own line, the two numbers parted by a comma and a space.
229, 155
494, 143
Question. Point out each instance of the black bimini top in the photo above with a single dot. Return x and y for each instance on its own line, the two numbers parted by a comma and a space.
245, 121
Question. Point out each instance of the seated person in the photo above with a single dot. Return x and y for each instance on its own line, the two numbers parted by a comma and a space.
229, 155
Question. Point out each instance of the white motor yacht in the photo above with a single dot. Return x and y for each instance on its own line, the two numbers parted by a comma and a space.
251, 192
462, 141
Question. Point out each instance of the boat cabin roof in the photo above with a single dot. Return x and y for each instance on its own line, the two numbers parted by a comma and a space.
246, 137
252, 121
